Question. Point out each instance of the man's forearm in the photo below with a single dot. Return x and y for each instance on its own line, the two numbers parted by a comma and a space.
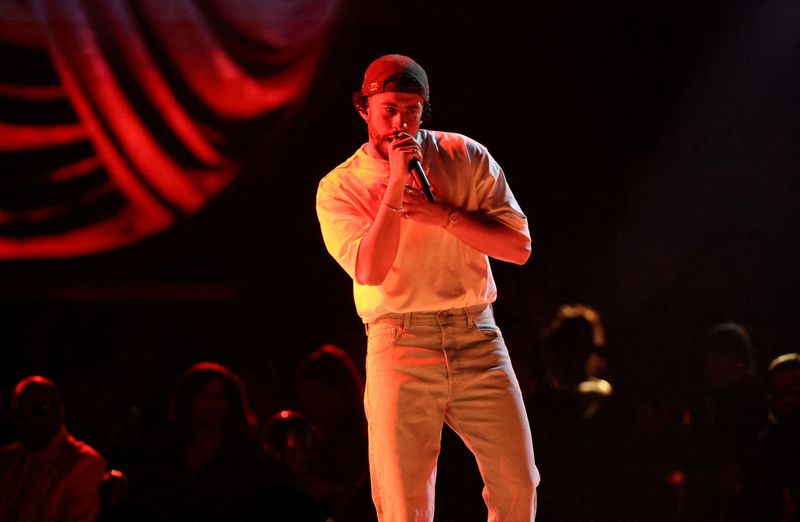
379, 245
492, 238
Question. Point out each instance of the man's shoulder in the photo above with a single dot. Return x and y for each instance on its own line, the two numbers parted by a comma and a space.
451, 141
85, 454
355, 175
342, 169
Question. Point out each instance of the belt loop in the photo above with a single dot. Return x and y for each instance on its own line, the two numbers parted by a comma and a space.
407, 322
468, 315
366, 329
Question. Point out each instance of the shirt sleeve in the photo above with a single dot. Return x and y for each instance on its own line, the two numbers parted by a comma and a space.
342, 225
495, 196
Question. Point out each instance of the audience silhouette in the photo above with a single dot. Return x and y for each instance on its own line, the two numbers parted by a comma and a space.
210, 465
780, 497
47, 475
569, 417
330, 392
721, 447
289, 438
726, 415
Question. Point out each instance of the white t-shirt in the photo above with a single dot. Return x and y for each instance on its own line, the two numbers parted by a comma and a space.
433, 269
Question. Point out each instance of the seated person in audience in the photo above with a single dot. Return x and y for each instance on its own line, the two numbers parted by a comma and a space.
289, 438
47, 475
569, 416
726, 414
781, 497
210, 466
330, 389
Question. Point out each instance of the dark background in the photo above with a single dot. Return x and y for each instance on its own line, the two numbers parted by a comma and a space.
653, 146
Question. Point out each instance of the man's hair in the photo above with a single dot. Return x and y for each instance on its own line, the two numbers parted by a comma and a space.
37, 381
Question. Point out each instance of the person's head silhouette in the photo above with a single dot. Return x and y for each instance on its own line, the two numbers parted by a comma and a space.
728, 355
329, 385
784, 388
37, 411
209, 395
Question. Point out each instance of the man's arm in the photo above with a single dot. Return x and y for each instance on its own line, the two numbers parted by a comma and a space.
487, 236
492, 238
379, 245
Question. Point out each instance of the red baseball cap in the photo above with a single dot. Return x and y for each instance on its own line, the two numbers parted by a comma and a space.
412, 78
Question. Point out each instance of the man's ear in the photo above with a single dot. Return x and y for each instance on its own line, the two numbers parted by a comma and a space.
363, 113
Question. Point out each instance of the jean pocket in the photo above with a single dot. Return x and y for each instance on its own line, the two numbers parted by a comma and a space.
487, 328
382, 335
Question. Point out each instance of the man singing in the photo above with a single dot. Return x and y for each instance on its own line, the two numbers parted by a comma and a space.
423, 286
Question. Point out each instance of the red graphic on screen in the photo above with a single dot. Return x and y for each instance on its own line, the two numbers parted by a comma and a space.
117, 118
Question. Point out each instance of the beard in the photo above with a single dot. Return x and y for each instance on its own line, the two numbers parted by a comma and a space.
380, 142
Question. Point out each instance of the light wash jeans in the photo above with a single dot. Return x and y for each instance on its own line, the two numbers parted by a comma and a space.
426, 368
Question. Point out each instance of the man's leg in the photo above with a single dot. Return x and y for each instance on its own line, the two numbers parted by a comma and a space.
488, 413
405, 399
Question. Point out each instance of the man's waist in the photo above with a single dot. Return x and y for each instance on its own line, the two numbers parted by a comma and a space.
450, 315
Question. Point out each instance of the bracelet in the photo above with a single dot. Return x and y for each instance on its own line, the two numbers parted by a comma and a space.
393, 209
452, 217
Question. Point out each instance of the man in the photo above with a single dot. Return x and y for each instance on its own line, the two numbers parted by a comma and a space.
47, 475
423, 287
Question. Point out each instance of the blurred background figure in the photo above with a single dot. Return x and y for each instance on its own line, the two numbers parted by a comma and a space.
573, 357
116, 504
288, 437
47, 475
330, 390
210, 465
781, 494
567, 412
574, 345
726, 413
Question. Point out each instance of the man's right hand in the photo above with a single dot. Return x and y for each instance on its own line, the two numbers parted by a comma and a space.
401, 151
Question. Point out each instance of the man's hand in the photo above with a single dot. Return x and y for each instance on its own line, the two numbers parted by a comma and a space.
417, 208
401, 150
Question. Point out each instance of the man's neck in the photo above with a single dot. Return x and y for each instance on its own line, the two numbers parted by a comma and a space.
33, 447
372, 151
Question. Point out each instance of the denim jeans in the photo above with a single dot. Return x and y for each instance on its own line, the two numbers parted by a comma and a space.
426, 368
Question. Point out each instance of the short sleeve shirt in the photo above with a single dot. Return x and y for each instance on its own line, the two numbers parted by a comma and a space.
433, 269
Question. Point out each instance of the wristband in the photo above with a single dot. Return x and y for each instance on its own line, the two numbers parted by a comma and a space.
393, 209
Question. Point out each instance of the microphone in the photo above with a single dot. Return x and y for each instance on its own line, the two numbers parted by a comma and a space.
422, 180
418, 172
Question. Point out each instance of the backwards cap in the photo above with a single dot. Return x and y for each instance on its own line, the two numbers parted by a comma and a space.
412, 79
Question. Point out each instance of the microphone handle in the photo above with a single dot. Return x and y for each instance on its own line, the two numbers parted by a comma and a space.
422, 179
